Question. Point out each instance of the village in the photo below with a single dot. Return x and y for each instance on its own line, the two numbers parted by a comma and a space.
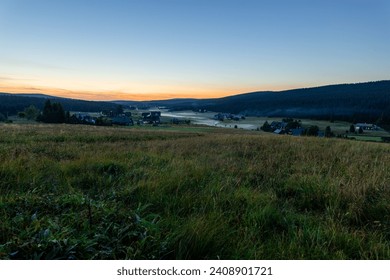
295, 128
117, 117
283, 126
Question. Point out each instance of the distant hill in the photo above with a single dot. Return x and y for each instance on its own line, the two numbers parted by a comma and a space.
360, 102
37, 95
352, 102
187, 103
11, 104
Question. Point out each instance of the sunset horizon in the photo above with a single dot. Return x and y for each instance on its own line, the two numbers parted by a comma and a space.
126, 96
108, 95
148, 50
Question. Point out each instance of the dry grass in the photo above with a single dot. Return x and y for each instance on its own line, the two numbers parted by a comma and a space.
94, 193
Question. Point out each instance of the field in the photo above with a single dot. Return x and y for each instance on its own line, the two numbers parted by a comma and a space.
338, 128
84, 192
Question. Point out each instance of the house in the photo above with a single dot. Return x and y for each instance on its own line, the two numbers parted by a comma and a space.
220, 117
85, 118
366, 126
152, 117
145, 115
278, 125
279, 131
228, 116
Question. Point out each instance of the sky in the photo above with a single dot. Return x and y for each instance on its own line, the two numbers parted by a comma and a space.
161, 49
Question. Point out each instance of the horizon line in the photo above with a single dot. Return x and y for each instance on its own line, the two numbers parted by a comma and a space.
77, 95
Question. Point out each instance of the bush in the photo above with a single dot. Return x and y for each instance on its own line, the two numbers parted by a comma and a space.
266, 127
312, 130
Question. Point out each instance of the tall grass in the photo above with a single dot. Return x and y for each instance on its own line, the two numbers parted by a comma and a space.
78, 192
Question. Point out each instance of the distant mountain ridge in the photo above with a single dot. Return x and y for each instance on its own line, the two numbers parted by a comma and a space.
367, 102
360, 102
11, 104
37, 95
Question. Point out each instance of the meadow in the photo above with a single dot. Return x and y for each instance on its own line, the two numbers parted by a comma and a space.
84, 192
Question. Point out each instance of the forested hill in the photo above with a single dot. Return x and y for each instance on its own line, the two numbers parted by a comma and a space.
11, 104
352, 102
361, 102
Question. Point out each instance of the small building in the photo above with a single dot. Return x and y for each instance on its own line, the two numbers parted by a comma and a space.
220, 117
152, 117
279, 131
366, 126
85, 118
278, 125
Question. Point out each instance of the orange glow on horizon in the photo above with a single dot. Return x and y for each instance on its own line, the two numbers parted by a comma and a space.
113, 95
176, 92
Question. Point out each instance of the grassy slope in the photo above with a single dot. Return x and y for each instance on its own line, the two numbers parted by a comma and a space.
114, 193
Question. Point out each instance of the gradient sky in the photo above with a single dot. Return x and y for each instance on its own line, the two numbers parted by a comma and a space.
158, 49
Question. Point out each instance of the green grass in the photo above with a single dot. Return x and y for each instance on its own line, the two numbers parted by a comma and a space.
83, 192
366, 138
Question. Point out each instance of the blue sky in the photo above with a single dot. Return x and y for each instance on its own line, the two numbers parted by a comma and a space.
157, 49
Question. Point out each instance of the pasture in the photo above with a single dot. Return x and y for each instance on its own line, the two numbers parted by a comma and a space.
84, 192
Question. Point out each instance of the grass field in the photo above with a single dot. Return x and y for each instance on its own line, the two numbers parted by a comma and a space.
366, 138
83, 192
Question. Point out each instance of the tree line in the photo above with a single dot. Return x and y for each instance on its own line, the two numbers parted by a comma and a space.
12, 104
53, 112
